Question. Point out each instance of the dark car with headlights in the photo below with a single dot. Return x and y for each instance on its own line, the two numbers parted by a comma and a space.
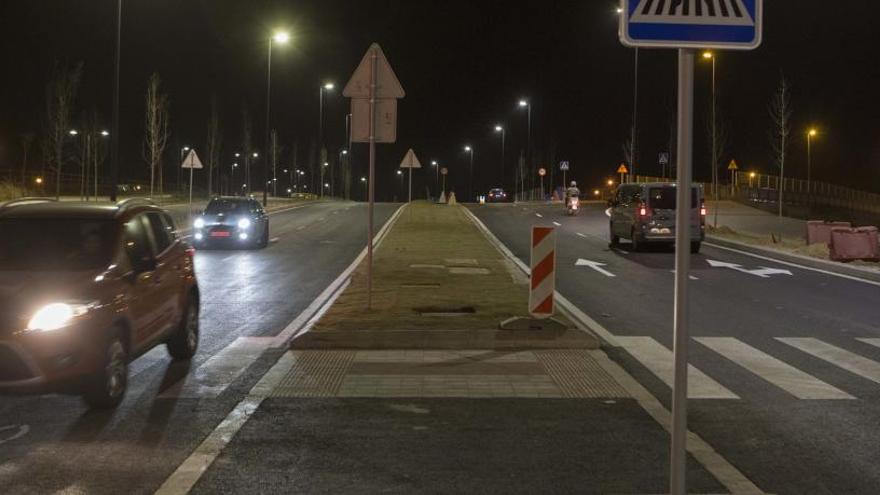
497, 195
84, 290
232, 222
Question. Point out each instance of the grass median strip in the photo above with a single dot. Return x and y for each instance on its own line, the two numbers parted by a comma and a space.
437, 282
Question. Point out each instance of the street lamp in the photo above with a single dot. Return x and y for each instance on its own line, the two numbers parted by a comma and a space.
327, 86
810, 135
711, 56
437, 172
281, 38
500, 129
528, 106
469, 150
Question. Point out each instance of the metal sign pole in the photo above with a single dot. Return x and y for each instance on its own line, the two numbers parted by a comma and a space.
410, 185
374, 58
678, 455
190, 184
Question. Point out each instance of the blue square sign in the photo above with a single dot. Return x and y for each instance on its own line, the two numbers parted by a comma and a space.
719, 24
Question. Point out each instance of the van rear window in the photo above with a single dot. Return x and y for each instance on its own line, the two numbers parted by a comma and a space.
663, 198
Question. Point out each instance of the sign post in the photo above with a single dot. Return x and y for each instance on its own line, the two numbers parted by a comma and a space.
686, 27
664, 161
191, 162
443, 171
734, 171
622, 170
564, 167
542, 172
410, 161
374, 90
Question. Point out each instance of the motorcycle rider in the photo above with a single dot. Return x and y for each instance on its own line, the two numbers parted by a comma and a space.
572, 192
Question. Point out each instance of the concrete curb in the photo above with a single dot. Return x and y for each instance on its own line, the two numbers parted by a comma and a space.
824, 266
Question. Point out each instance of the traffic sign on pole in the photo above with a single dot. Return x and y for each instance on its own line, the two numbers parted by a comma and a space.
410, 161
191, 162
563, 166
720, 24
374, 89
687, 25
733, 165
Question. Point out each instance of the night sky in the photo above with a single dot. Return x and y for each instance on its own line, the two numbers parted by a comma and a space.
464, 66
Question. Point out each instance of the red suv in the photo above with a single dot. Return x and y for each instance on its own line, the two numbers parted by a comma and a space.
85, 289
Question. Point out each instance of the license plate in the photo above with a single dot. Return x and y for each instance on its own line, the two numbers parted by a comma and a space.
220, 234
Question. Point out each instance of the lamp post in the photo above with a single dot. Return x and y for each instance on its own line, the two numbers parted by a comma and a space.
282, 38
364, 183
810, 135
711, 56
470, 151
437, 172
500, 129
528, 106
328, 86
232, 176
114, 144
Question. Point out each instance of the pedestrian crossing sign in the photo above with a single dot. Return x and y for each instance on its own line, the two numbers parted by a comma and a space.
719, 24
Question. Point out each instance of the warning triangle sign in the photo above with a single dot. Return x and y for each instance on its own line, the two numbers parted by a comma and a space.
387, 84
410, 160
192, 161
733, 165
622, 169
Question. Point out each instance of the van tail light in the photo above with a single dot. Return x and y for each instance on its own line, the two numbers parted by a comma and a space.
644, 211
703, 210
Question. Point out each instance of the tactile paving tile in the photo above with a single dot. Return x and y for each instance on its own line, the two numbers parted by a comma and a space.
315, 374
579, 376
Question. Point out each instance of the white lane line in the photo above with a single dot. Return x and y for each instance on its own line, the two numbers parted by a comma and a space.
581, 235
12, 432
539, 215
689, 276
850, 361
557, 224
211, 378
188, 473
658, 359
273, 240
795, 265
784, 376
872, 341
302, 227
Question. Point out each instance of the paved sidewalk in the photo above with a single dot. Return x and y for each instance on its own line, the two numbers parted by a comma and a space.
744, 219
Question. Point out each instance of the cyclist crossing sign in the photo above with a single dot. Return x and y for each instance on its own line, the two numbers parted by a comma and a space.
721, 24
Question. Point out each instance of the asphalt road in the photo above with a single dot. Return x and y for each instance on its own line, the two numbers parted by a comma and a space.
53, 444
788, 380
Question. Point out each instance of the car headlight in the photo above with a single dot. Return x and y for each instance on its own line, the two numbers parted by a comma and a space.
199, 223
57, 315
244, 223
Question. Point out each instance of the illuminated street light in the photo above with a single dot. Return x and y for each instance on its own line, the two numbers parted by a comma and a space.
73, 132
610, 182
38, 180
281, 37
329, 86
105, 133
811, 133
708, 55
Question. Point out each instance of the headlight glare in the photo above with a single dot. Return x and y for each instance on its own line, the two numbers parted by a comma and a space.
56, 315
199, 223
244, 223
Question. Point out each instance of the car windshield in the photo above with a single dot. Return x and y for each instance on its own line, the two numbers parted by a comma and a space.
226, 207
55, 244
663, 198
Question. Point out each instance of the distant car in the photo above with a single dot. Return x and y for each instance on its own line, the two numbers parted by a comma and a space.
84, 290
232, 222
496, 195
645, 213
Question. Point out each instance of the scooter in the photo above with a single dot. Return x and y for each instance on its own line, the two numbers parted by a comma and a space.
573, 206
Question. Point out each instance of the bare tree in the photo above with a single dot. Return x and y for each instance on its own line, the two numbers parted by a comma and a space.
60, 99
780, 114
26, 139
247, 143
156, 121
215, 142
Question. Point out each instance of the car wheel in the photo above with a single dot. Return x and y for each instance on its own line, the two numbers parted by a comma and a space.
106, 388
695, 247
637, 245
185, 341
615, 240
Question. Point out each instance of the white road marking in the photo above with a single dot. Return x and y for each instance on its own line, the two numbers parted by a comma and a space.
841, 358
581, 235
595, 265
557, 224
795, 265
9, 433
211, 378
784, 376
273, 240
301, 227
762, 272
873, 341
658, 359
689, 276
539, 215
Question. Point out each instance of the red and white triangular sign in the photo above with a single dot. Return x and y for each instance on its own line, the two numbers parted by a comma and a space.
410, 160
192, 161
387, 84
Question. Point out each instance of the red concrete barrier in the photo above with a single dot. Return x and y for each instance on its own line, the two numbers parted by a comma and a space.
849, 244
819, 231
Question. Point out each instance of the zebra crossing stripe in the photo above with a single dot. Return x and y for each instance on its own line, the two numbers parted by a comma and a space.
211, 378
874, 341
841, 358
658, 359
780, 374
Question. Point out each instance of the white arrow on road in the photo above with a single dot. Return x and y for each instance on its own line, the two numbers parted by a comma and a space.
762, 272
595, 265
16, 431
